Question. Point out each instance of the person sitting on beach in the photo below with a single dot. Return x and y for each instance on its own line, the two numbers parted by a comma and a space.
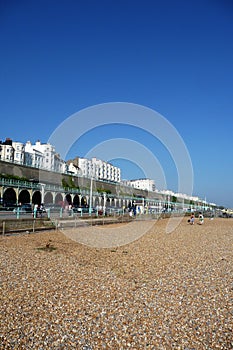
192, 218
201, 219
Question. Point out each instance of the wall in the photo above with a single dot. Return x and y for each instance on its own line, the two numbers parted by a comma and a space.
44, 176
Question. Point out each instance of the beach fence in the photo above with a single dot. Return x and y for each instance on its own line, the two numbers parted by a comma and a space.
10, 226
69, 219
74, 221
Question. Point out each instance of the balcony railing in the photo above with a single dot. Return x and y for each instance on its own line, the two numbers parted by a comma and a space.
19, 183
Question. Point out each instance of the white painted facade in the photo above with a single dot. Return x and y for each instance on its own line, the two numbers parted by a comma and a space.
19, 151
105, 171
43, 155
7, 151
33, 157
98, 169
180, 195
142, 184
73, 169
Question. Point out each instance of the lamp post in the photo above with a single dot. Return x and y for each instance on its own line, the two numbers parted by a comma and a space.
104, 207
168, 203
91, 191
42, 192
93, 174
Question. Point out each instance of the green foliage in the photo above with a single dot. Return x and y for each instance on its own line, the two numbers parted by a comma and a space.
174, 199
102, 190
69, 184
14, 177
64, 183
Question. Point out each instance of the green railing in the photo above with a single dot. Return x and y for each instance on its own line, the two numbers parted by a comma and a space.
83, 192
19, 183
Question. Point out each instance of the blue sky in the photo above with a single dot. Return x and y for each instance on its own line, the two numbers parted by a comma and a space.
175, 57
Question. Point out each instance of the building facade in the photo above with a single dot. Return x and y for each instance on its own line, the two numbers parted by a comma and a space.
7, 150
12, 151
44, 156
142, 184
94, 168
105, 171
19, 152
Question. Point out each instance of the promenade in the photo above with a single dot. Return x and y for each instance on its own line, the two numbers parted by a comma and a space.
161, 291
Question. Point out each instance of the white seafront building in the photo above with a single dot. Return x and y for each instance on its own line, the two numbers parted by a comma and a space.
142, 184
94, 168
7, 150
44, 156
19, 152
12, 151
183, 196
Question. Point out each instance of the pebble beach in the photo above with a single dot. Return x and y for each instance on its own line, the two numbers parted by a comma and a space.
161, 291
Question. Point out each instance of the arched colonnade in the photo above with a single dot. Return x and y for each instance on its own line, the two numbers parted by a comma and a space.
12, 195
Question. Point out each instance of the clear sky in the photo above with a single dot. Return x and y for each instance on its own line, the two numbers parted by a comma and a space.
175, 57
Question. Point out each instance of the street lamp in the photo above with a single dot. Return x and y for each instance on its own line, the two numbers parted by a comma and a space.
104, 207
91, 190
